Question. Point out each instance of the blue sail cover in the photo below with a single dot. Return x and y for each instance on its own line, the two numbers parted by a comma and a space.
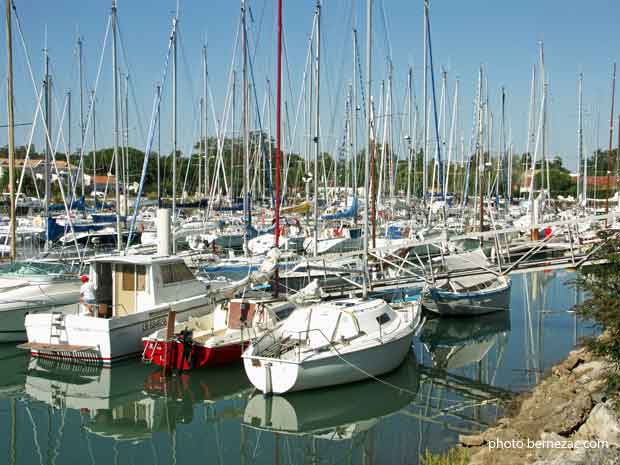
349, 213
76, 204
56, 231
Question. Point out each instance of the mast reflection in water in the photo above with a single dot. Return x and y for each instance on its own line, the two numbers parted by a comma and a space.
454, 381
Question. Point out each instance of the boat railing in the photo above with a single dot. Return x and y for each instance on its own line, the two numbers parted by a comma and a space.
296, 341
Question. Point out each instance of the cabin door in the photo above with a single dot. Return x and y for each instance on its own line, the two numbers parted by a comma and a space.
130, 281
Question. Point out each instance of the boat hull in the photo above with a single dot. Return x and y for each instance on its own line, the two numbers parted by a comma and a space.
280, 376
105, 341
468, 303
174, 355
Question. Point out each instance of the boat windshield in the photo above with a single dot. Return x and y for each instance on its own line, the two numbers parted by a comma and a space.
30, 268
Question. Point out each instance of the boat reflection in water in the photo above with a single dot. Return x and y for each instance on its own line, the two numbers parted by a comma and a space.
13, 362
457, 342
337, 413
129, 401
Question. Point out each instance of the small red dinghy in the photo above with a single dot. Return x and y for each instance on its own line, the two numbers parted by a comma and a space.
217, 338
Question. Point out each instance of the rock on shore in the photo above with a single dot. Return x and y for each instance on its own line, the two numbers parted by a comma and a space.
565, 420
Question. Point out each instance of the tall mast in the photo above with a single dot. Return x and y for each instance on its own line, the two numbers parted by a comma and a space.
368, 144
611, 136
48, 135
317, 129
159, 204
580, 137
11, 127
81, 77
410, 137
69, 142
278, 137
126, 144
175, 21
231, 192
206, 117
94, 149
119, 245
246, 133
425, 90
354, 120
202, 137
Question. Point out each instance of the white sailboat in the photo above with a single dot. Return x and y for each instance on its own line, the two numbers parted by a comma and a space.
331, 343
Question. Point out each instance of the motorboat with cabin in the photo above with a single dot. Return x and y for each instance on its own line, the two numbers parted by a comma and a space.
134, 297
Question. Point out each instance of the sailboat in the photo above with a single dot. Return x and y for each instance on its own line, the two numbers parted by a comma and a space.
332, 343
335, 414
470, 288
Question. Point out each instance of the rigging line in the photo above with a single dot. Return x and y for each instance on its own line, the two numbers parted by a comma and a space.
29, 147
302, 87
222, 128
192, 95
132, 90
89, 116
260, 26
149, 142
61, 134
337, 98
197, 121
386, 31
260, 126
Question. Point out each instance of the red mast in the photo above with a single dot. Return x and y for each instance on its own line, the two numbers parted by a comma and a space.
278, 136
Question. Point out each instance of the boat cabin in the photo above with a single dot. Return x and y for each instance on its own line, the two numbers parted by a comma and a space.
131, 284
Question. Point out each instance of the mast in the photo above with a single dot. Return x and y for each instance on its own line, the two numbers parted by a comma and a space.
159, 204
202, 137
206, 118
611, 136
69, 142
425, 90
368, 145
94, 150
354, 121
81, 77
410, 138
278, 136
11, 127
126, 143
119, 245
246, 133
231, 192
580, 136
317, 129
174, 126
48, 135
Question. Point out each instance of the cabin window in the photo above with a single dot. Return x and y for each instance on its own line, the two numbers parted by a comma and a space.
383, 318
134, 277
175, 273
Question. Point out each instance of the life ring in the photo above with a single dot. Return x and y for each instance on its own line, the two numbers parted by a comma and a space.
338, 232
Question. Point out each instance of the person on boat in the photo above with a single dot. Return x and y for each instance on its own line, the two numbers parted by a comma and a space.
87, 295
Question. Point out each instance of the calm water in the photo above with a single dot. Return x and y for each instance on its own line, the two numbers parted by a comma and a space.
452, 382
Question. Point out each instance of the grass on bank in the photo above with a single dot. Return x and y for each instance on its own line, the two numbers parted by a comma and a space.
454, 456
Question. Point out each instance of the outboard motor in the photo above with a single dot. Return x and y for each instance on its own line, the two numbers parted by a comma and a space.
187, 341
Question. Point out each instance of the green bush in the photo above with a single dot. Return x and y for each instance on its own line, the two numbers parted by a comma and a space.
454, 456
602, 284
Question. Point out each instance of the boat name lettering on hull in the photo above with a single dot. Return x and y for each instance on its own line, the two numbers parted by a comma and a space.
154, 324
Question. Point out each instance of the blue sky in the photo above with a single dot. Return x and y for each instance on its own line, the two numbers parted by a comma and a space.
501, 35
